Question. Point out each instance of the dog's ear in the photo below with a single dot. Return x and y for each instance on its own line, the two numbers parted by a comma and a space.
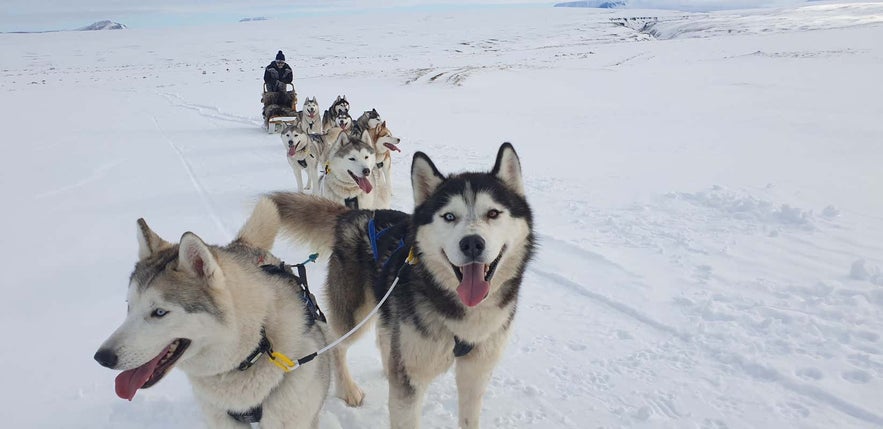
148, 242
383, 125
195, 258
508, 168
425, 178
374, 111
366, 138
342, 139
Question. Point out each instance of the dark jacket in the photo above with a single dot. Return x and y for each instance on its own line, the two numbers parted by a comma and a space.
273, 74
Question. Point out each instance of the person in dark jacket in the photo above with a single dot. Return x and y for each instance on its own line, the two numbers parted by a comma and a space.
277, 74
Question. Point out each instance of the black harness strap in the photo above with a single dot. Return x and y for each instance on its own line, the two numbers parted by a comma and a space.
461, 348
352, 203
263, 347
314, 313
303, 163
251, 416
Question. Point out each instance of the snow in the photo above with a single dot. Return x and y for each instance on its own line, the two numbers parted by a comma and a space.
708, 206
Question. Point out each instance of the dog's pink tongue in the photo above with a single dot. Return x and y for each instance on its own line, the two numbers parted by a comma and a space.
473, 288
291, 151
129, 381
364, 184
392, 147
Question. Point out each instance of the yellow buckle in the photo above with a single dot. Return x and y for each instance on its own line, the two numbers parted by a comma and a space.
283, 362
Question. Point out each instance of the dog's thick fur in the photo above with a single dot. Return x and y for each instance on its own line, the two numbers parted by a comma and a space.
472, 235
329, 117
384, 144
310, 119
219, 299
305, 153
367, 121
349, 164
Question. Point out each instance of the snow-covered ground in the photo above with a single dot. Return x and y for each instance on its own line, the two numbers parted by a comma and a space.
709, 208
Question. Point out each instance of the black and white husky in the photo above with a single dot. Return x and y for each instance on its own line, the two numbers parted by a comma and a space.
329, 117
472, 237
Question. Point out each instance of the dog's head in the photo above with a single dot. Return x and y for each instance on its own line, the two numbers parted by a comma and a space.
473, 230
296, 142
353, 159
180, 309
344, 121
340, 105
372, 118
384, 141
311, 107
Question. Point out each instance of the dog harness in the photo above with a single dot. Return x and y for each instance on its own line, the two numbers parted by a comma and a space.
374, 234
264, 347
461, 348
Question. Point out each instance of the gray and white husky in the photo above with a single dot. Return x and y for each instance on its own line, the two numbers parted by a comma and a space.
215, 312
305, 152
310, 121
329, 117
472, 237
368, 121
349, 171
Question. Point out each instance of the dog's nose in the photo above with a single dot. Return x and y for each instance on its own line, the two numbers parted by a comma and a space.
366, 171
472, 246
106, 357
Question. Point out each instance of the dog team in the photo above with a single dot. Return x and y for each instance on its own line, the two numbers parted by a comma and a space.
354, 157
440, 284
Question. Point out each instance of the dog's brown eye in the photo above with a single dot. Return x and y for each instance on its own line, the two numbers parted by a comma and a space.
449, 217
493, 213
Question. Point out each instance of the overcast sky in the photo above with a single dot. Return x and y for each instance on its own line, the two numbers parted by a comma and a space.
31, 15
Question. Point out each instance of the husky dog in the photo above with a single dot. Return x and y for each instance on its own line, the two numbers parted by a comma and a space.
329, 117
215, 313
348, 178
345, 122
384, 144
305, 153
472, 237
310, 122
368, 121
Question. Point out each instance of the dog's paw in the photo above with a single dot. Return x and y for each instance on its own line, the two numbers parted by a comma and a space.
353, 396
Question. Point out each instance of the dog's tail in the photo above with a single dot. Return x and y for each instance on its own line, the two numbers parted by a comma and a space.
262, 226
308, 219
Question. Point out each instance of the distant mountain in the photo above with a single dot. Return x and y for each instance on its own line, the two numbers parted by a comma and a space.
103, 25
257, 18
602, 4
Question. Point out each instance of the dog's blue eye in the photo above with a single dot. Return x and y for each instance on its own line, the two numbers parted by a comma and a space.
158, 313
449, 217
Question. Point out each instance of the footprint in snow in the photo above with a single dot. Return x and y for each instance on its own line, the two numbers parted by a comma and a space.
856, 376
810, 373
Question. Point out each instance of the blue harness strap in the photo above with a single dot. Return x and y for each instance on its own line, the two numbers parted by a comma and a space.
374, 235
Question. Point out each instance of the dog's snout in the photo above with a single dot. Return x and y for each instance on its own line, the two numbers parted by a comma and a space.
472, 246
366, 171
107, 358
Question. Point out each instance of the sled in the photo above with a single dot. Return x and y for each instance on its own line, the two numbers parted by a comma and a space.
289, 90
278, 123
